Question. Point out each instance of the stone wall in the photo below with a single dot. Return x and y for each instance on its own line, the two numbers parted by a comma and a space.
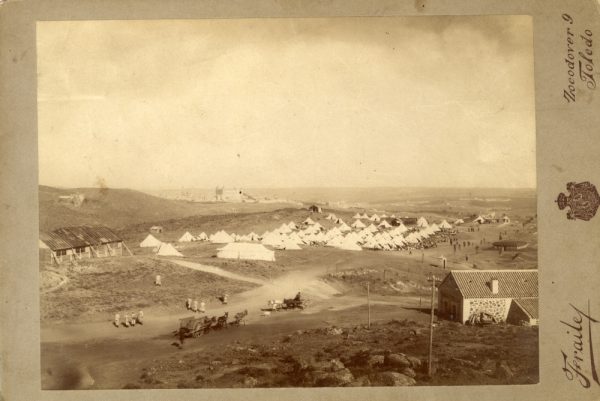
497, 307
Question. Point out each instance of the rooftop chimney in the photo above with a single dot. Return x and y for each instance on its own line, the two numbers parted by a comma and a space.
494, 285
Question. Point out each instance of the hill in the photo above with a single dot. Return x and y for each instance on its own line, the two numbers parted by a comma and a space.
117, 208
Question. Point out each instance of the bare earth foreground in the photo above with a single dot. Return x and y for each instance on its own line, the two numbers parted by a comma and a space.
327, 344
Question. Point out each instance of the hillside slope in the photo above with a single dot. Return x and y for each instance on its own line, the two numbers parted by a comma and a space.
117, 208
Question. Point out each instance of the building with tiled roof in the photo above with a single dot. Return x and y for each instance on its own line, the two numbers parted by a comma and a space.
73, 243
504, 295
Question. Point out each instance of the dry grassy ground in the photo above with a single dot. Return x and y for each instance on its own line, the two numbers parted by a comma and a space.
98, 288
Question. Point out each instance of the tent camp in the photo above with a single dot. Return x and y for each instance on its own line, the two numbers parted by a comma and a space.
150, 242
166, 249
221, 237
239, 250
187, 237
358, 224
375, 218
349, 244
372, 228
445, 225
384, 224
422, 222
344, 228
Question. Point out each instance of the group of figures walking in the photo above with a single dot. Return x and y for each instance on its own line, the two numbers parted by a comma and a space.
194, 307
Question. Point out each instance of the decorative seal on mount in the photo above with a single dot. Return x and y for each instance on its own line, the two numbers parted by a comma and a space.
583, 199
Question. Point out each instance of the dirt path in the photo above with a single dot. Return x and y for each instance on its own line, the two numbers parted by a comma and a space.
215, 270
286, 286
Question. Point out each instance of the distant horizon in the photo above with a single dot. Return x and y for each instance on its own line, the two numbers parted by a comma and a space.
294, 187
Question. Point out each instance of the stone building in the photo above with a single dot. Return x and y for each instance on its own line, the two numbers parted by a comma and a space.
506, 295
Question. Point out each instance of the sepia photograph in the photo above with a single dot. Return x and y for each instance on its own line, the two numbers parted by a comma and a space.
287, 202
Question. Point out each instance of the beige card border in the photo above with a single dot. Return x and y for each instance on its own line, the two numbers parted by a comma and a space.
567, 147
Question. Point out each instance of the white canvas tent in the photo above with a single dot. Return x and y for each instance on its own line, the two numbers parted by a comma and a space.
187, 237
458, 221
202, 237
308, 221
356, 216
166, 249
422, 222
358, 224
349, 244
150, 242
331, 216
384, 224
221, 237
344, 228
445, 225
239, 250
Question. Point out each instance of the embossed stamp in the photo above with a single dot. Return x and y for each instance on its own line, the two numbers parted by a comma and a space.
583, 200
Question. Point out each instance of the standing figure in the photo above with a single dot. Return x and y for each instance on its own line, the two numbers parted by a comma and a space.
157, 280
126, 322
133, 319
140, 317
188, 303
202, 307
117, 320
195, 305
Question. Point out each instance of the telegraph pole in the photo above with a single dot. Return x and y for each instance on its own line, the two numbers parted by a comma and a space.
368, 307
433, 279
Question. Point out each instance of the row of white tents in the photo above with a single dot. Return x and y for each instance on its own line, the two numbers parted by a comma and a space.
290, 236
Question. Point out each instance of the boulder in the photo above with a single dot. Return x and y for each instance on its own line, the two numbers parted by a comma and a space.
415, 362
336, 365
339, 378
503, 371
334, 331
394, 379
397, 361
375, 360
250, 381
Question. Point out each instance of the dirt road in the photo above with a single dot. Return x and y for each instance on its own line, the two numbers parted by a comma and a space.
286, 286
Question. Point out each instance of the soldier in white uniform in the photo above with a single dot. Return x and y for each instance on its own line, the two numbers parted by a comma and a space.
117, 320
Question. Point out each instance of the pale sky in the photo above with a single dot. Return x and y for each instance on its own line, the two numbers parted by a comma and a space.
421, 101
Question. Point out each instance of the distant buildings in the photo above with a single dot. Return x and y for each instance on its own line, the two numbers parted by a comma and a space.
156, 229
505, 295
73, 199
236, 195
70, 244
315, 209
510, 245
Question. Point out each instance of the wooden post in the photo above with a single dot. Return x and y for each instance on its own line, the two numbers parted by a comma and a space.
128, 250
429, 367
368, 307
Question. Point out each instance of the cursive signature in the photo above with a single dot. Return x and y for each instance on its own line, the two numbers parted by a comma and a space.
579, 362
